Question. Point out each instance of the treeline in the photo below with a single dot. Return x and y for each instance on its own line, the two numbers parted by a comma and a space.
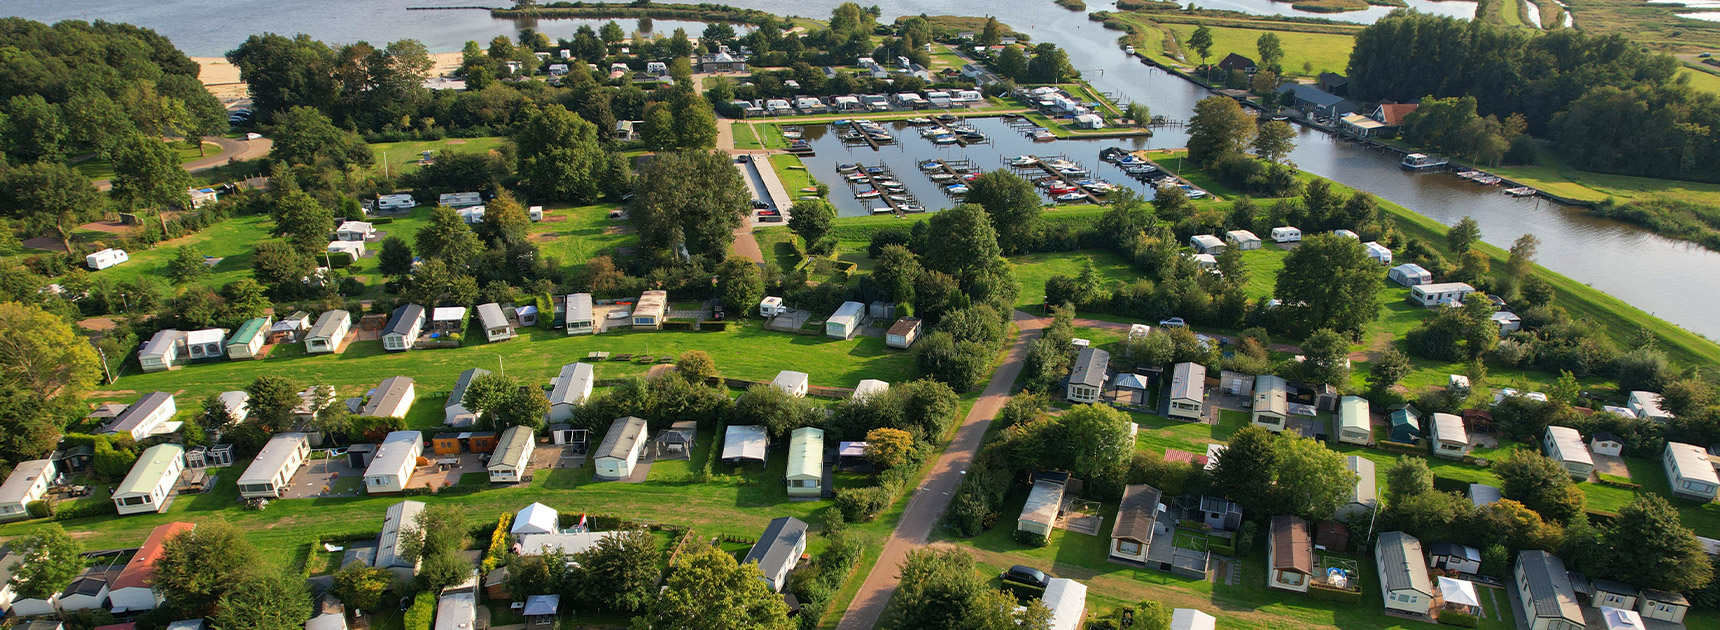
1610, 105
702, 12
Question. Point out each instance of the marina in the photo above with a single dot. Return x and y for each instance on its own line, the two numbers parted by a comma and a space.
879, 188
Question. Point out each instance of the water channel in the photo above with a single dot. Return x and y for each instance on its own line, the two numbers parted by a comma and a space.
1663, 276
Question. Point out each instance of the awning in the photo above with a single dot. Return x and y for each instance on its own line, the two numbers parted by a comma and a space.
1458, 592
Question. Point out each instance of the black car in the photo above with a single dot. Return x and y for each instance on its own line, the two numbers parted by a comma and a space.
1026, 575
759, 205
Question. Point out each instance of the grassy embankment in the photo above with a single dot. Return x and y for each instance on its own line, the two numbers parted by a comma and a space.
1706, 80
1309, 49
96, 168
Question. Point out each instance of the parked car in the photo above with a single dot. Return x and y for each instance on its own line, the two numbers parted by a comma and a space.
1026, 575
1173, 322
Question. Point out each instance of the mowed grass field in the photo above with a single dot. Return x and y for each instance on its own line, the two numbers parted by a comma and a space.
403, 157
1702, 80
1323, 52
1555, 176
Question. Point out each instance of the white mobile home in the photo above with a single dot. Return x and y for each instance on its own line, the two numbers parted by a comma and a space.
1364, 496
649, 311
248, 339
1206, 244
1188, 391
1450, 439
791, 382
495, 322
1565, 445
1439, 294
1647, 405
771, 306
1355, 424
778, 550
1688, 470
355, 231
397, 525
572, 387
619, 452
1088, 376
1242, 239
392, 398
868, 387
392, 203
1044, 503
208, 343
352, 249
272, 471
578, 319
28, 482
846, 321
512, 455
460, 199
403, 327
1067, 601
1544, 591
392, 465
106, 258
149, 485
1409, 275
328, 333
1286, 235
745, 443
805, 474
166, 349
455, 413
1404, 584
1271, 403
146, 417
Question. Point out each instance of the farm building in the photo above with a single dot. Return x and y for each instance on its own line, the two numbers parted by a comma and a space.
513, 453
846, 321
616, 456
1409, 275
328, 333
572, 386
272, 471
391, 467
149, 485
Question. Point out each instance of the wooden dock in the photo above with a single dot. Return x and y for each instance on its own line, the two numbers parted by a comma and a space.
898, 208
1039, 166
954, 168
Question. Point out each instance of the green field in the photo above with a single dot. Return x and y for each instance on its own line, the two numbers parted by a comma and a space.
97, 169
403, 157
1556, 177
573, 235
1702, 80
745, 138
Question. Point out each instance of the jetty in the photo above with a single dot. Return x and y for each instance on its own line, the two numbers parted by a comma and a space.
878, 182
1046, 164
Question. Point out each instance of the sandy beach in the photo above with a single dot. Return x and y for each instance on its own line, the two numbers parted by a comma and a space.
222, 78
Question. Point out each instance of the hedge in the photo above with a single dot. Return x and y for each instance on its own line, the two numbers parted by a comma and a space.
1333, 595
1031, 539
422, 612
1456, 618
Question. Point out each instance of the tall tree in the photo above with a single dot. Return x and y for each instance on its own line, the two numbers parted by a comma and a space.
1332, 283
147, 175
49, 198
1392, 367
620, 572
1201, 42
695, 198
811, 220
361, 587
1094, 440
1407, 477
271, 402
41, 354
1541, 484
51, 558
1013, 206
960, 240
1218, 129
304, 135
740, 284
448, 238
942, 588
559, 155
1312, 480
897, 271
1246, 468
396, 257
304, 221
268, 600
992, 34
32, 130
197, 568
1271, 51
1651, 547
708, 589
1274, 141
1463, 236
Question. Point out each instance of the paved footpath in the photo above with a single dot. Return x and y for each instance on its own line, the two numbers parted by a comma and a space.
927, 504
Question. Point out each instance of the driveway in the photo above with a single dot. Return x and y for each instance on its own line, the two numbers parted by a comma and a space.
927, 504
231, 150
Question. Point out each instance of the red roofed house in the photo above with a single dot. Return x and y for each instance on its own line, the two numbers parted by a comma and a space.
1391, 114
132, 592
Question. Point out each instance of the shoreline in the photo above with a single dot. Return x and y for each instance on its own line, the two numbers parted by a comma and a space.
222, 78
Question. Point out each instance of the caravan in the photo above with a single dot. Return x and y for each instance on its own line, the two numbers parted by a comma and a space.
106, 258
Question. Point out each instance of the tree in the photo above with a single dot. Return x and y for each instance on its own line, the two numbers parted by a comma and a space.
691, 198
888, 448
658, 130
1012, 64
1463, 236
448, 238
1274, 141
1245, 469
1013, 206
620, 572
1201, 42
942, 588
32, 130
147, 175
1312, 480
1093, 440
50, 560
696, 366
1651, 547
559, 157
395, 258
270, 600
1152, 615
708, 589
1325, 357
280, 267
198, 567
740, 284
1407, 477
1050, 64
49, 198
1331, 283
695, 120
992, 34
272, 399
42, 355
1218, 129
773, 408
960, 240
1392, 367
304, 221
1271, 51
361, 587
214, 415
1522, 260
1540, 483
960, 364
811, 220
503, 401
187, 265
305, 136
505, 222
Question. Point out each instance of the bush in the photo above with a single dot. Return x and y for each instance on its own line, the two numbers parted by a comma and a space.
83, 509
1031, 539
860, 505
1455, 618
423, 610
40, 508
497, 552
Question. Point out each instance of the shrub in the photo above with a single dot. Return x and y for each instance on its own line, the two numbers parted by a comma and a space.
423, 610
1455, 618
497, 553
83, 509
862, 504
1031, 539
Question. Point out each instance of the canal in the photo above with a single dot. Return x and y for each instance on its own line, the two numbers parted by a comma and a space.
1622, 260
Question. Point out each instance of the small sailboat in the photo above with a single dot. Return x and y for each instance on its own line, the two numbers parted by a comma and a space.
1025, 160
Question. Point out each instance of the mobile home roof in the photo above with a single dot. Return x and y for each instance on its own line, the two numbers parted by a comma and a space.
570, 384
491, 315
806, 454
274, 455
329, 322
149, 469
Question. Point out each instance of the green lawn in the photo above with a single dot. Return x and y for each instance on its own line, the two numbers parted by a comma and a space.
794, 175
1701, 79
1554, 176
745, 138
231, 240
572, 235
403, 157
96, 168
1032, 270
1323, 52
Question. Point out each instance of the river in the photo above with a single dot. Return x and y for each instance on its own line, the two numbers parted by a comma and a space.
1630, 263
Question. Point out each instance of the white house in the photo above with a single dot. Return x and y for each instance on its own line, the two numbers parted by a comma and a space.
495, 322
391, 398
1088, 376
1206, 244
106, 258
1188, 391
146, 417
1067, 601
1663, 606
272, 471
328, 333
237, 403
1271, 402
392, 464
1364, 496
28, 482
1242, 239
616, 456
745, 443
846, 321
1544, 591
1647, 405
805, 473
403, 327
1355, 425
1688, 470
134, 590
792, 382
1606, 443
513, 453
1404, 584
1286, 234
1565, 445
1409, 275
355, 231
1449, 438
89, 591
1346, 234
166, 348
578, 319
778, 550
248, 339
1378, 252
1439, 294
572, 386
455, 413
149, 485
